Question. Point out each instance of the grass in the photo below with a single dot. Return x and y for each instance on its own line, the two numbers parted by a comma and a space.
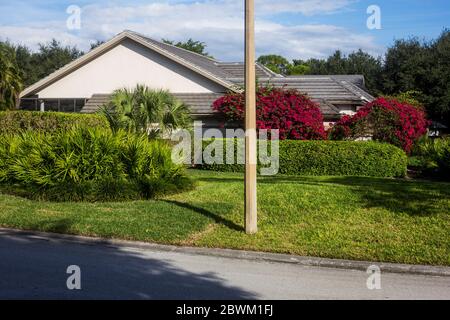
338, 217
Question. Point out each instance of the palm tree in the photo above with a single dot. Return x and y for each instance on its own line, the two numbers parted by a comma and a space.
142, 109
10, 79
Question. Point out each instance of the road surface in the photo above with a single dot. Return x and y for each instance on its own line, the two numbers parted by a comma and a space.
36, 269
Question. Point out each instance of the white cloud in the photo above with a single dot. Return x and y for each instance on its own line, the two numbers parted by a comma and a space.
219, 23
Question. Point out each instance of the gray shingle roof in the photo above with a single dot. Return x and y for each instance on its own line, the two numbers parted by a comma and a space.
237, 70
199, 103
330, 88
219, 69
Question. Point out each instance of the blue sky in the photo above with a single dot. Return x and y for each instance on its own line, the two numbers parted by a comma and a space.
293, 28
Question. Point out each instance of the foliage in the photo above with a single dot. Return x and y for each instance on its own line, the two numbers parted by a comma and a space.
14, 121
337, 158
86, 164
281, 65
386, 120
358, 62
10, 78
432, 156
293, 113
146, 110
96, 44
50, 57
422, 66
190, 45
412, 97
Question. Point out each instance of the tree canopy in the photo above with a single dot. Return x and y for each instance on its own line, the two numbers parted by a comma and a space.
281, 65
191, 45
48, 58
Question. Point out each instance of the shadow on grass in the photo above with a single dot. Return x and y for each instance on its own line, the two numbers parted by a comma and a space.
413, 197
36, 269
420, 198
56, 226
217, 218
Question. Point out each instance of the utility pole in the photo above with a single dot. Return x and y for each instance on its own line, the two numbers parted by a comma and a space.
251, 225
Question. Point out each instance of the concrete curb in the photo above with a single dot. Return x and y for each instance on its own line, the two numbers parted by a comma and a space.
440, 271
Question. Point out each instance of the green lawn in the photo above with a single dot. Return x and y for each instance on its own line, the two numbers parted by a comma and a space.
338, 217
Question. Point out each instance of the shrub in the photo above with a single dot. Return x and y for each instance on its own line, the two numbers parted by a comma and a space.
335, 158
13, 121
385, 120
432, 156
89, 164
293, 113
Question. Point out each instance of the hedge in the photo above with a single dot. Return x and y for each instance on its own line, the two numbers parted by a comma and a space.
13, 121
332, 158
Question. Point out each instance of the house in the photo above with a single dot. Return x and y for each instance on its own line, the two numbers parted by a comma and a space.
131, 58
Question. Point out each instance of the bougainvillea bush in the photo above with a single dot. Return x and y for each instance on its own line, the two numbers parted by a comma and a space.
294, 114
386, 120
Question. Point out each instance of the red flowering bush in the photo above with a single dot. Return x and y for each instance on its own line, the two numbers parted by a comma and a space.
294, 114
386, 120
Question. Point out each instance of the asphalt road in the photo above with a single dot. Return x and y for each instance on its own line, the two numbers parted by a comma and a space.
36, 269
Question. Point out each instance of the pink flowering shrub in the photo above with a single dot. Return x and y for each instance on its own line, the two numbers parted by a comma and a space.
386, 120
294, 114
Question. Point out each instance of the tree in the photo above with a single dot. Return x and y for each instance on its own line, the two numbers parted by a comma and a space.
276, 63
371, 68
37, 65
24, 58
53, 56
281, 65
191, 45
414, 65
437, 88
96, 44
358, 62
146, 110
10, 79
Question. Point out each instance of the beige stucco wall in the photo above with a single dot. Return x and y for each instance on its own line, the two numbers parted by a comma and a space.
127, 65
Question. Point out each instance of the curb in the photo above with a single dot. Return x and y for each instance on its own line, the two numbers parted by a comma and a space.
440, 271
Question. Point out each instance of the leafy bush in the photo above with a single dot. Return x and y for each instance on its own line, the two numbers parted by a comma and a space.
385, 120
294, 114
13, 121
432, 156
335, 158
89, 164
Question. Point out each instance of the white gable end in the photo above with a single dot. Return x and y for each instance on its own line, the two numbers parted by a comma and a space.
127, 65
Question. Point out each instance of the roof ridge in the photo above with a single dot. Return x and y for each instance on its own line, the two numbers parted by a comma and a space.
173, 46
355, 90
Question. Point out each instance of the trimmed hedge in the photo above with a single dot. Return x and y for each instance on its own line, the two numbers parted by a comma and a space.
332, 158
13, 121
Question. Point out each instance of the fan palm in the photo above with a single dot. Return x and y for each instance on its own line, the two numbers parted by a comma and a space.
143, 109
10, 79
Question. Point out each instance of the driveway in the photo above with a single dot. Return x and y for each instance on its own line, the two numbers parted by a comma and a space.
35, 268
